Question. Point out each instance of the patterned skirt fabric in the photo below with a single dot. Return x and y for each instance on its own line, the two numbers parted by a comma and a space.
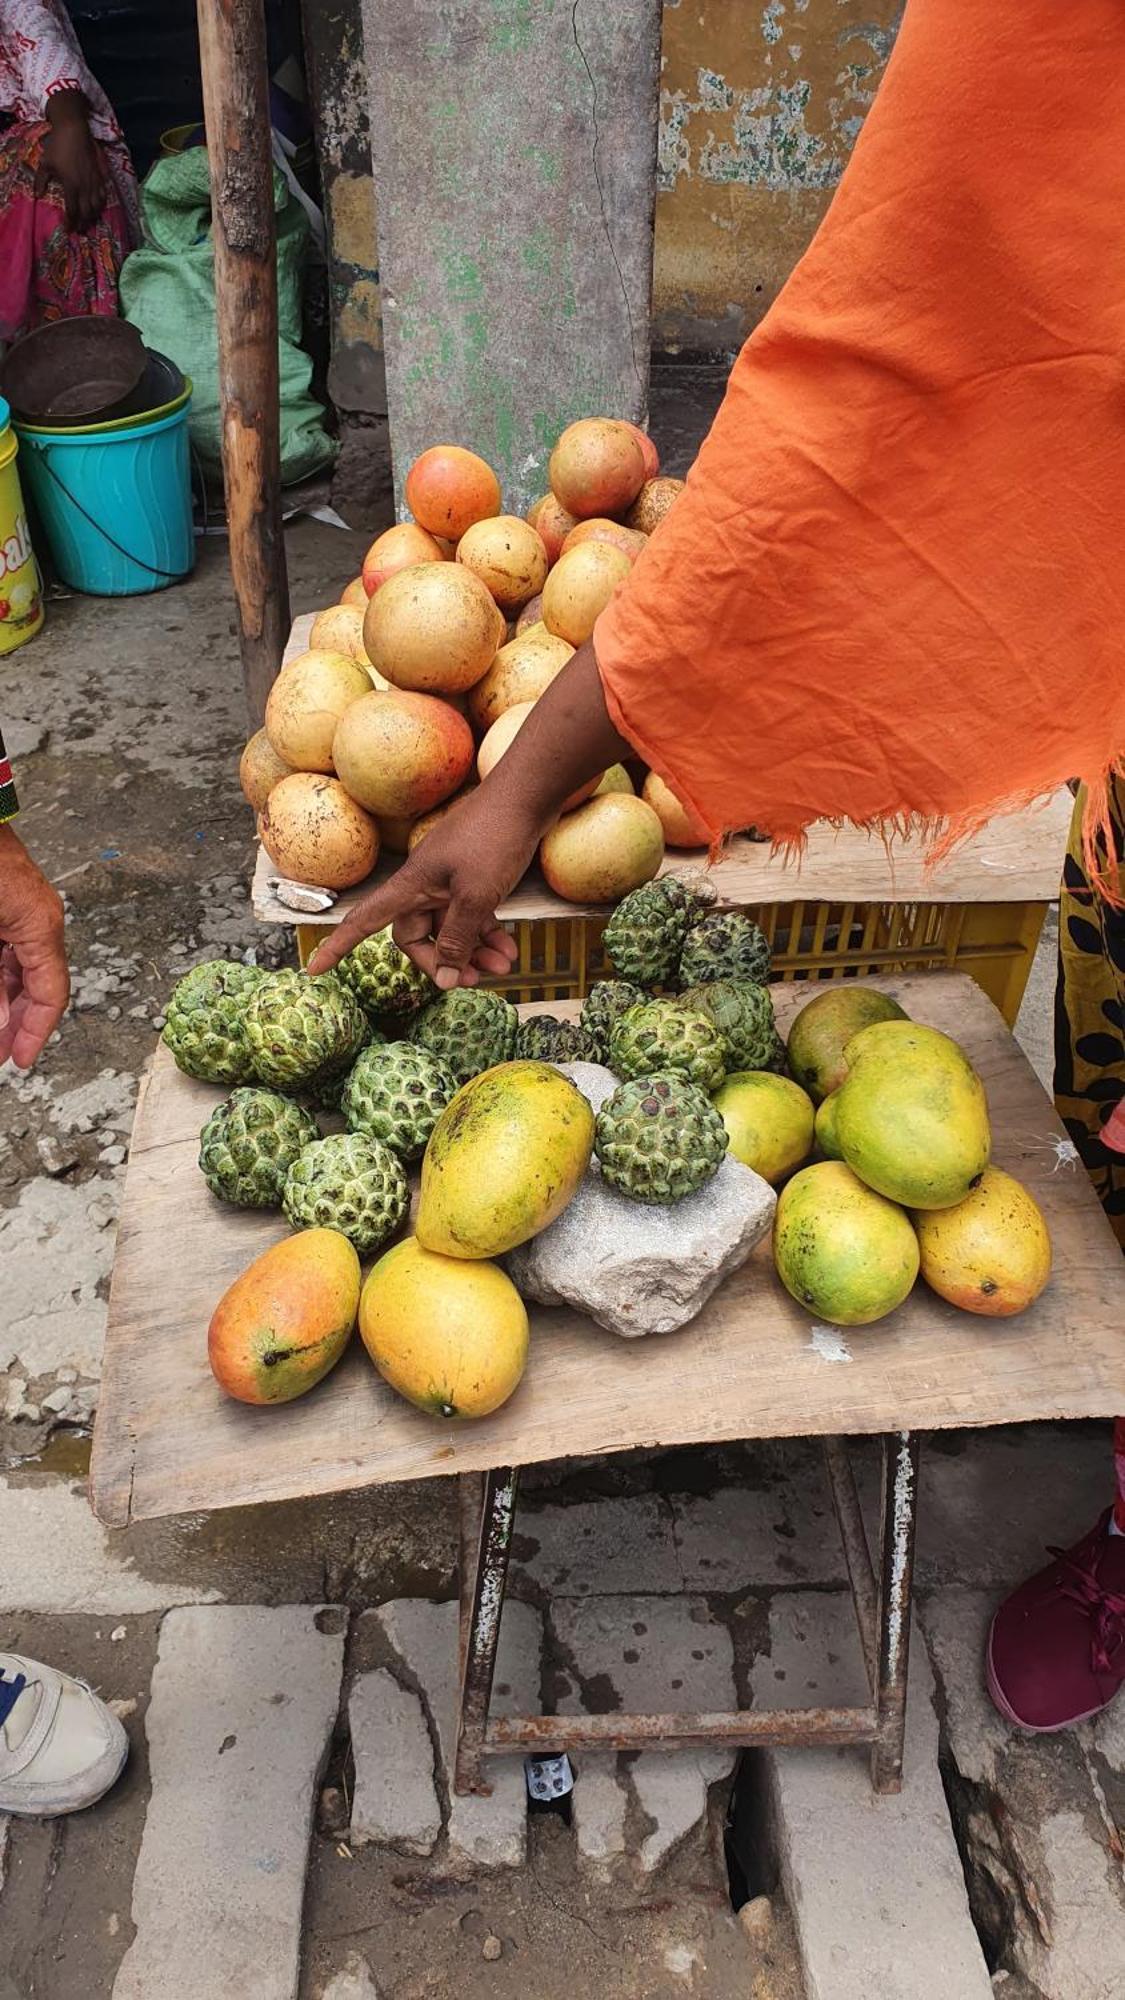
48, 271
1090, 1043
1090, 1021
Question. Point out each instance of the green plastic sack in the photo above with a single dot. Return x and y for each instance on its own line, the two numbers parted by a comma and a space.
168, 291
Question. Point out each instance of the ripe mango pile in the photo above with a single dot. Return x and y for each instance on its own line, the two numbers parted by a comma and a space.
907, 1185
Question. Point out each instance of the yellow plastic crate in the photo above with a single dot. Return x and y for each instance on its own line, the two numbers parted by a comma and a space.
561, 957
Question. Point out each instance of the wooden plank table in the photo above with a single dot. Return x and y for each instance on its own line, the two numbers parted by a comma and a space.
169, 1442
752, 1365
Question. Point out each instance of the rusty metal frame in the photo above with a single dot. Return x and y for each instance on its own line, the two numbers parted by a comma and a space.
882, 1595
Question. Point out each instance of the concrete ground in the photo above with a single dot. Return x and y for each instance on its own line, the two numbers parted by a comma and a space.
286, 1826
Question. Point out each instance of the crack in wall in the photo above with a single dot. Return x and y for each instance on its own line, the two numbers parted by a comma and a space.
596, 123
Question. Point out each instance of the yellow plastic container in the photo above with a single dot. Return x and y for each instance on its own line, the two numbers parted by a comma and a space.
21, 587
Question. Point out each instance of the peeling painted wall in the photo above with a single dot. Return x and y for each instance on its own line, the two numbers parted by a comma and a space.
760, 106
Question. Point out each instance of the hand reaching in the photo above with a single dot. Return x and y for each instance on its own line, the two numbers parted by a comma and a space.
34, 981
442, 903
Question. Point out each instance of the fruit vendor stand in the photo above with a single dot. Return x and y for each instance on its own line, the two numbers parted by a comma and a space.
752, 1364
849, 906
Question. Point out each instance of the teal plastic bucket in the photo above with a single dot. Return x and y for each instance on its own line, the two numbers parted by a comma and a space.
115, 507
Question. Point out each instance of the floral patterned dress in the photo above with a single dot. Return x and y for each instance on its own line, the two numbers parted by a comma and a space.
47, 270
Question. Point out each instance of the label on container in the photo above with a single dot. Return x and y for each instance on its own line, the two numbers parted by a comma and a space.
21, 592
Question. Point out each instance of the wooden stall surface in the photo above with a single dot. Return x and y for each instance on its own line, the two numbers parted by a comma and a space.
1017, 858
752, 1364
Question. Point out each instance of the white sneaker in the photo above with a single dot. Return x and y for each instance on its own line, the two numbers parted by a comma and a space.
60, 1747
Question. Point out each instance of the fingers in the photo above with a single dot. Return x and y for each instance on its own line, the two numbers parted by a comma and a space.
502, 942
393, 903
31, 1007
467, 921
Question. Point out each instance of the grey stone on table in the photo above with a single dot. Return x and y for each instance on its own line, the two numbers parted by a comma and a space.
244, 1702
395, 1800
483, 1832
600, 1546
875, 1884
635, 1269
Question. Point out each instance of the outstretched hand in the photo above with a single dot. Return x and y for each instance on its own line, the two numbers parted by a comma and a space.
442, 902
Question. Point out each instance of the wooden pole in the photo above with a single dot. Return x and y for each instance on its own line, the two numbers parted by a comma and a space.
232, 51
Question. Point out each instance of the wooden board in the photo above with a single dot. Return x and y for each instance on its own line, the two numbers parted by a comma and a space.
1016, 859
167, 1441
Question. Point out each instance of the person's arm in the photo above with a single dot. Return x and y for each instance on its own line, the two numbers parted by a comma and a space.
34, 981
71, 156
443, 900
891, 595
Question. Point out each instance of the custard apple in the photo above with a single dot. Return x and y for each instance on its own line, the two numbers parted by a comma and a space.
326, 1091
348, 1182
743, 1015
663, 1035
469, 1029
542, 1038
205, 1021
604, 1004
659, 1138
249, 1144
397, 1092
302, 1030
645, 934
724, 945
387, 984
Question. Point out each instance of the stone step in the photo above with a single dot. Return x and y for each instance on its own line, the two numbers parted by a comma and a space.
244, 1702
875, 1884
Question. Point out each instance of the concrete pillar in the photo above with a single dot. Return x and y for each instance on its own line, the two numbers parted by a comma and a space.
514, 150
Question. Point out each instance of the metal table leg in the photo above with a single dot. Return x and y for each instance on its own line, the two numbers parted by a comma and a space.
482, 1603
470, 1501
900, 1494
487, 1513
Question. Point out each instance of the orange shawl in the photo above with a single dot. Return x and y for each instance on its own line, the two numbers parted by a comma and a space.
894, 590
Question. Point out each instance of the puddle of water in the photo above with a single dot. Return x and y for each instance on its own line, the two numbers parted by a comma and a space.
66, 1455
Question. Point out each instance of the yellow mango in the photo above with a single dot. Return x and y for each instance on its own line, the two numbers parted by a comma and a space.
451, 1336
504, 1159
